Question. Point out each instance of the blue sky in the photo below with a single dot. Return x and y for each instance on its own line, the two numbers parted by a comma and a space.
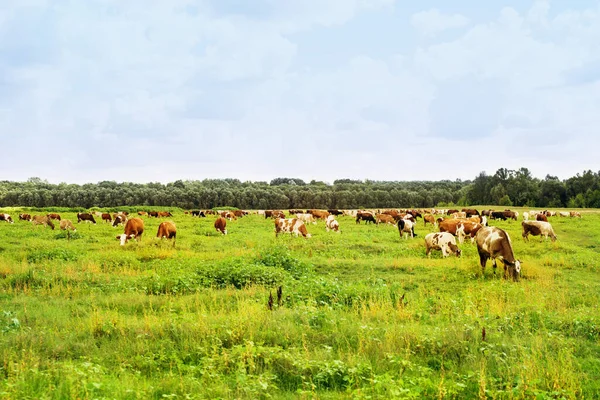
316, 89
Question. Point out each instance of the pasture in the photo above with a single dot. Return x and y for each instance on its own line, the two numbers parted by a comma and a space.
362, 314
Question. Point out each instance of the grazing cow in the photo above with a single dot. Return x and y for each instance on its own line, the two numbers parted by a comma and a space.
65, 224
153, 214
331, 224
541, 217
319, 214
142, 213
406, 226
306, 218
386, 219
365, 216
85, 217
164, 214
493, 242
525, 216
198, 213
575, 214
536, 228
563, 214
134, 228
240, 213
486, 213
459, 214
498, 215
42, 220
510, 214
25, 217
268, 213
221, 225
291, 225
467, 228
54, 216
335, 212
293, 212
451, 211
106, 217
470, 212
167, 230
448, 225
7, 218
443, 241
228, 215
429, 219
119, 219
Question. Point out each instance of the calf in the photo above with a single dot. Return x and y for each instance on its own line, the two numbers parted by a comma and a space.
221, 225
42, 220
443, 241
538, 228
167, 230
291, 225
493, 242
134, 228
7, 218
331, 224
85, 217
65, 224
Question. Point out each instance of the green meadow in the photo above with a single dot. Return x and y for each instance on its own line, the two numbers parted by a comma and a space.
361, 314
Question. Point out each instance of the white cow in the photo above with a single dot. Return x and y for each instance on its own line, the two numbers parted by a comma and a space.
332, 225
443, 241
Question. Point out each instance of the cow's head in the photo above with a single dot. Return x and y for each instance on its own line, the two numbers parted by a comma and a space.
123, 238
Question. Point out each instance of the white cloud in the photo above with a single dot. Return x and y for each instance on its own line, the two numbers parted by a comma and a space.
432, 22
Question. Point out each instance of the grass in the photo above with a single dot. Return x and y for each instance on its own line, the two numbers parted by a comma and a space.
363, 314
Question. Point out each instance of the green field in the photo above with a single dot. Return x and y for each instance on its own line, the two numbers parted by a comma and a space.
362, 314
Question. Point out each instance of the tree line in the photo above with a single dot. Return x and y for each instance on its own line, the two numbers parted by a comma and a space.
504, 188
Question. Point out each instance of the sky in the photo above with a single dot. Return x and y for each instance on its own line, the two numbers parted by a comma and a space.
155, 91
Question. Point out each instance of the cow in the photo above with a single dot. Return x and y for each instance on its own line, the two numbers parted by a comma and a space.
510, 214
163, 214
142, 213
153, 214
365, 216
7, 218
459, 214
429, 219
335, 212
448, 225
575, 214
385, 218
54, 216
106, 217
493, 242
319, 214
563, 214
470, 212
268, 213
541, 217
306, 218
119, 219
525, 216
240, 213
536, 228
198, 213
498, 215
42, 220
85, 217
443, 241
467, 228
331, 224
221, 225
451, 211
134, 228
167, 230
406, 226
65, 224
228, 215
290, 225
25, 217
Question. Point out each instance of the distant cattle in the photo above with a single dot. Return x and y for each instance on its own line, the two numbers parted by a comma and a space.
429, 219
451, 211
291, 225
575, 214
365, 216
167, 230
25, 217
164, 214
85, 217
541, 217
65, 224
268, 213
106, 217
385, 219
498, 215
563, 214
335, 212
306, 218
443, 241
42, 220
319, 214
511, 214
470, 212
240, 213
525, 216
331, 224
54, 216
459, 214
228, 215
494, 243
142, 213
134, 228
538, 228
406, 228
448, 225
221, 225
119, 220
198, 213
7, 218
153, 214
467, 228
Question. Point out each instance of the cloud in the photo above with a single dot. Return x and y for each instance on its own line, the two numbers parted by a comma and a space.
432, 22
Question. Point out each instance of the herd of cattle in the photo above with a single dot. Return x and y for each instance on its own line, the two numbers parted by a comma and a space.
492, 242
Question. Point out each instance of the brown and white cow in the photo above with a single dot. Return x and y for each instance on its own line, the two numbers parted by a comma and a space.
429, 219
42, 220
25, 217
494, 243
291, 225
221, 225
306, 218
120, 219
538, 228
406, 227
106, 217
331, 224
443, 241
164, 214
167, 230
7, 218
319, 214
541, 217
575, 214
230, 215
54, 216
385, 219
467, 228
134, 228
85, 217
66, 224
